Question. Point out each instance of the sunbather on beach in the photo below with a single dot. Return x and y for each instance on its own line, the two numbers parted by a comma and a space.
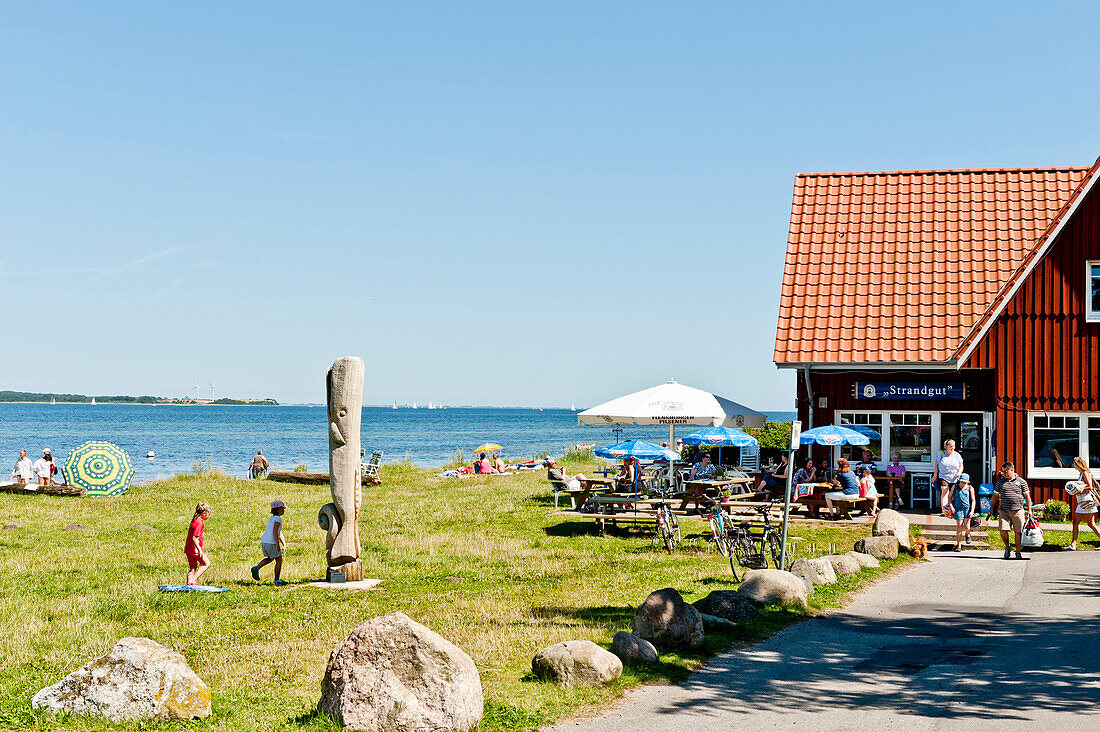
498, 464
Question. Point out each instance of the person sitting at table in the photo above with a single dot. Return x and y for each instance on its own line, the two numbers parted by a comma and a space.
702, 470
896, 470
627, 473
867, 487
806, 474
554, 473
774, 481
868, 461
845, 480
823, 469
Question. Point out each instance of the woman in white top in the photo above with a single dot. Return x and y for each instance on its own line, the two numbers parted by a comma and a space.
949, 466
1087, 503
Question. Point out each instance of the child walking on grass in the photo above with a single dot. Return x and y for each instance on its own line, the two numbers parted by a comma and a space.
198, 561
272, 543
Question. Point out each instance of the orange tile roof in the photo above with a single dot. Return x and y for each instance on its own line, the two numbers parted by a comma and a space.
898, 266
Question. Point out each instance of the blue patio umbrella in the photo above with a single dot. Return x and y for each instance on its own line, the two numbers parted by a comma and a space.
832, 435
637, 449
720, 437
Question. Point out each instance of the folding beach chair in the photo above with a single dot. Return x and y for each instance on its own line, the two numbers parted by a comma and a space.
370, 470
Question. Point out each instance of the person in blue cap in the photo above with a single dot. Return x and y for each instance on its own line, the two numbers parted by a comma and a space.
963, 504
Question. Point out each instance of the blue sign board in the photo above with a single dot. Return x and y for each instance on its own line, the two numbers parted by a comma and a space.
895, 390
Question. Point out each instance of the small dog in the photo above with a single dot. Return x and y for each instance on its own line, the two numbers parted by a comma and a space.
920, 548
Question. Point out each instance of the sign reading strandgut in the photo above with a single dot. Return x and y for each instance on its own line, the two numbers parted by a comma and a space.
909, 390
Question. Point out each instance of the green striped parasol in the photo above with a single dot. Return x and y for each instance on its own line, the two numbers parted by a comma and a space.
104, 469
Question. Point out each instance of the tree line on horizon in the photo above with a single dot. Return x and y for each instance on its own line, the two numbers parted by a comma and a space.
28, 396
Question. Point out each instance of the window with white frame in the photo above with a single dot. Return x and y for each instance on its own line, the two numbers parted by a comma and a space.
1056, 438
1092, 290
907, 433
868, 424
911, 437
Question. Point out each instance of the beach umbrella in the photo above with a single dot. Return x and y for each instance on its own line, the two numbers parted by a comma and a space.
832, 435
636, 449
488, 447
104, 469
720, 437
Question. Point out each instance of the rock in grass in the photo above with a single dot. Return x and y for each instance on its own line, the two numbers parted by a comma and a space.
774, 587
815, 572
143, 527
728, 605
865, 560
575, 663
632, 649
667, 621
11, 526
891, 523
76, 527
844, 564
881, 547
393, 673
137, 679
712, 623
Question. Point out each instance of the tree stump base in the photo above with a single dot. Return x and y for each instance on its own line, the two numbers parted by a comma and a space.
352, 571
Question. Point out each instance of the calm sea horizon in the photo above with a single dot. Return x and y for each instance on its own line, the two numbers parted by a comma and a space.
228, 436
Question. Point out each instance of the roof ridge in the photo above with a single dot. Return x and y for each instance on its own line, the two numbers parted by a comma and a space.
942, 171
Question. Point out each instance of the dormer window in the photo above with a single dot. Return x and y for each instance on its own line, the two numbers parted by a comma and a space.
1092, 290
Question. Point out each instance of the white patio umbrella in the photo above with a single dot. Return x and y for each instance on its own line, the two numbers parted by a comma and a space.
672, 404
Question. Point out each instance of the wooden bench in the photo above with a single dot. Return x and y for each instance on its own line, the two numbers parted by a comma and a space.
843, 505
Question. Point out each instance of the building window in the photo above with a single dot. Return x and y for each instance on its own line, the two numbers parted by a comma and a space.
911, 436
1055, 439
869, 424
1092, 288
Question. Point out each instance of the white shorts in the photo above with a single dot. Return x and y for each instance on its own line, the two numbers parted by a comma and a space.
840, 495
271, 551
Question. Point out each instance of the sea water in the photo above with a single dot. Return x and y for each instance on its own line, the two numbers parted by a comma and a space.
229, 436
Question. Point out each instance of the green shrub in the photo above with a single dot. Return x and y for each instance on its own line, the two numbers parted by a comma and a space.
301, 468
1055, 510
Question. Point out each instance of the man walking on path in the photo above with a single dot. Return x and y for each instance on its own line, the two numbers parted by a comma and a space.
24, 471
1010, 496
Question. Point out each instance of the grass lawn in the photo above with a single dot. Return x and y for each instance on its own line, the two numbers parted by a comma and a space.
478, 560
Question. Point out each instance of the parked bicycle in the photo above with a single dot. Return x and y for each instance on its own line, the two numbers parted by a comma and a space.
721, 527
750, 550
668, 527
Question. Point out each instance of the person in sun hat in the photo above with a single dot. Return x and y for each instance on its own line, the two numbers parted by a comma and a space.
963, 504
273, 543
43, 467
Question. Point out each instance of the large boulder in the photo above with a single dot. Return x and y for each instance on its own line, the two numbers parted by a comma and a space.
393, 673
880, 547
632, 649
727, 604
844, 564
137, 679
576, 662
865, 560
667, 621
774, 587
891, 523
814, 572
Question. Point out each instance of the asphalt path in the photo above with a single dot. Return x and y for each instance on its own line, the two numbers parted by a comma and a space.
950, 644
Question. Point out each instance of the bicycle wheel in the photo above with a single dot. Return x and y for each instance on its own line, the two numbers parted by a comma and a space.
740, 554
674, 524
664, 531
718, 532
774, 548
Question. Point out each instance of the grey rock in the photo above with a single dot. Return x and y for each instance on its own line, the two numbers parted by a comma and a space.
844, 564
575, 663
881, 547
865, 560
815, 572
137, 679
727, 604
713, 622
667, 621
393, 673
143, 527
632, 649
11, 526
76, 527
774, 587
891, 523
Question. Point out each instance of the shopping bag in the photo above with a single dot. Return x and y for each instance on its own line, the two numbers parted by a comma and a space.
1033, 535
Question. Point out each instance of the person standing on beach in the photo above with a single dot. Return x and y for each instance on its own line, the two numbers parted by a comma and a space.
24, 470
43, 468
259, 465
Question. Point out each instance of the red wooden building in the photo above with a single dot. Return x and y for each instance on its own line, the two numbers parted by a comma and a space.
923, 305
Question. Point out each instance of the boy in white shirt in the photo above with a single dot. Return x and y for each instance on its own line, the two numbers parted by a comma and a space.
272, 543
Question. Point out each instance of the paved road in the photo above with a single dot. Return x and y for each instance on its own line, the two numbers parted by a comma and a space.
965, 639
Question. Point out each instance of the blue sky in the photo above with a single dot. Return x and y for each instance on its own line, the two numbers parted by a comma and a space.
503, 204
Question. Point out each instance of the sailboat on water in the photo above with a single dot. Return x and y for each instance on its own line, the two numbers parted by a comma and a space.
93, 400
395, 404
414, 405
53, 400
572, 407
430, 405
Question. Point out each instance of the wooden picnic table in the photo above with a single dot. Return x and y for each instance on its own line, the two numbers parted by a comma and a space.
717, 483
593, 485
894, 484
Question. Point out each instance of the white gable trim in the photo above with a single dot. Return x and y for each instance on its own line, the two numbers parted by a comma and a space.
1022, 277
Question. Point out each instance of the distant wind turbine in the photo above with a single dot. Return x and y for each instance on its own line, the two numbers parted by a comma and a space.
196, 388
212, 391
